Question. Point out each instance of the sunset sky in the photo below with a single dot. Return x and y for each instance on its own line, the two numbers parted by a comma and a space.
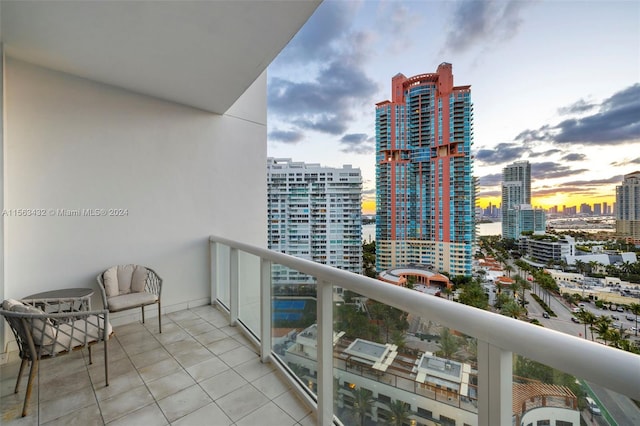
556, 83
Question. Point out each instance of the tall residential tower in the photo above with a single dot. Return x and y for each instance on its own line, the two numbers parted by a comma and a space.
425, 194
628, 206
517, 214
314, 213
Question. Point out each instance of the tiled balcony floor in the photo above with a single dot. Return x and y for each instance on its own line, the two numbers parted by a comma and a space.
199, 371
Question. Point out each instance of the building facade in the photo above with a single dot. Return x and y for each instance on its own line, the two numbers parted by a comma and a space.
517, 214
314, 212
425, 193
628, 206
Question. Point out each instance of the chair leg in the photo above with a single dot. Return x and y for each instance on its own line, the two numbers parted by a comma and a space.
106, 362
90, 358
32, 375
159, 318
143, 314
23, 364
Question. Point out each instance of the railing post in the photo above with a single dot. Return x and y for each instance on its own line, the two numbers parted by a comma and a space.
325, 353
234, 284
265, 309
213, 251
495, 385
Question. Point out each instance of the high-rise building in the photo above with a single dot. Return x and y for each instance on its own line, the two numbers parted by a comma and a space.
516, 187
597, 209
517, 214
425, 193
314, 213
628, 206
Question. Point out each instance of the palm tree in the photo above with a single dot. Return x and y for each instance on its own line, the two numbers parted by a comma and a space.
509, 269
635, 310
512, 309
603, 326
400, 412
587, 318
363, 402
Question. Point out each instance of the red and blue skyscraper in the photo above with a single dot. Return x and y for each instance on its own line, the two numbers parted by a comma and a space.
425, 190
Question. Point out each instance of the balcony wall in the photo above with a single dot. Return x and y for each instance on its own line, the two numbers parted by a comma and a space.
180, 173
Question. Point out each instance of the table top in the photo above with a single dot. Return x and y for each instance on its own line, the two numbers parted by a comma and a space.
63, 293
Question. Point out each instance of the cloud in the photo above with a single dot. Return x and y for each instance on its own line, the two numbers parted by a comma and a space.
577, 107
325, 29
552, 170
330, 56
596, 182
286, 136
358, 143
478, 23
626, 162
574, 157
502, 153
547, 153
490, 180
616, 122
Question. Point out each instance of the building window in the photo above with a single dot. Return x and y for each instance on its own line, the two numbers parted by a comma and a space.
563, 423
446, 421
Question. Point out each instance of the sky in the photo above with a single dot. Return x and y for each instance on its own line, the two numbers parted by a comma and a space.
556, 83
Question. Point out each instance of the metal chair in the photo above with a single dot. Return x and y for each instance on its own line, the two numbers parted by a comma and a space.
130, 286
41, 335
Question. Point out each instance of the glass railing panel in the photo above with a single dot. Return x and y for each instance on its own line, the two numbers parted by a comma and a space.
221, 272
249, 291
294, 323
544, 395
395, 368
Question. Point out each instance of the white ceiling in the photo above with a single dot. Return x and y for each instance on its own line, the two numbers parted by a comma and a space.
204, 54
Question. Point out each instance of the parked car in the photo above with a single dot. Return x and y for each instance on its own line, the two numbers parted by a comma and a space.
545, 315
615, 317
576, 320
631, 317
620, 309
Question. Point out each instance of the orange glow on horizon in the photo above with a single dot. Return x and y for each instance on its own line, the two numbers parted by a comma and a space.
559, 200
369, 207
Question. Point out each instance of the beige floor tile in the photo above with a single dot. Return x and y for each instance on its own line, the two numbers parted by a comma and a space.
150, 357
194, 357
55, 386
150, 415
11, 407
267, 415
225, 345
116, 368
173, 336
160, 369
184, 402
209, 415
168, 385
222, 384
242, 402
88, 416
272, 385
238, 356
125, 403
207, 369
54, 408
293, 405
211, 336
253, 369
118, 385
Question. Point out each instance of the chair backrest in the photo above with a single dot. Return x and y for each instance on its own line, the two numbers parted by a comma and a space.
124, 279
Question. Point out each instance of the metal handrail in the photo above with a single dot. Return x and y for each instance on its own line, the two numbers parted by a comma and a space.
612, 368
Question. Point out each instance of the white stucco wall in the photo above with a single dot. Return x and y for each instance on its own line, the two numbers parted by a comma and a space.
181, 173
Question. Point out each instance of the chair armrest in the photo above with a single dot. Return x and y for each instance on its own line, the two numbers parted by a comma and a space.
58, 305
153, 283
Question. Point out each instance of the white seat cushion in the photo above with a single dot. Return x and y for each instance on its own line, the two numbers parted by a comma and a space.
131, 300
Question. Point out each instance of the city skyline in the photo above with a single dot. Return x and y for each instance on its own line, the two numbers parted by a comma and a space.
567, 99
